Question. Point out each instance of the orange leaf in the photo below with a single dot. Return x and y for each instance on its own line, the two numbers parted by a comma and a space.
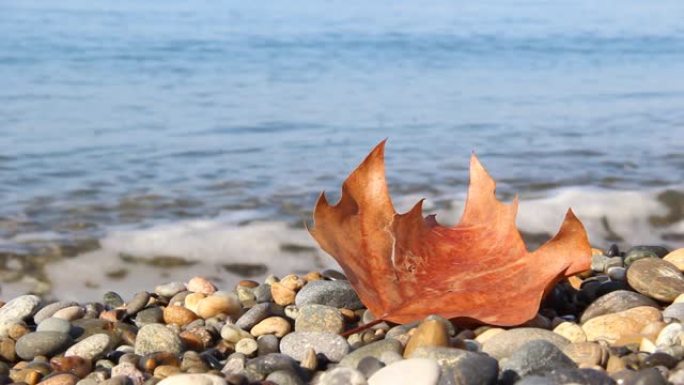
405, 267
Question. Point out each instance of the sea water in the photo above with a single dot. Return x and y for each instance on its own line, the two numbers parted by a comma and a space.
202, 132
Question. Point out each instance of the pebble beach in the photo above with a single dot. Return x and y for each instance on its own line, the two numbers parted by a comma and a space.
619, 323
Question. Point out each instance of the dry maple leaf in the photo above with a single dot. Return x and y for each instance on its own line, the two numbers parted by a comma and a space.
405, 267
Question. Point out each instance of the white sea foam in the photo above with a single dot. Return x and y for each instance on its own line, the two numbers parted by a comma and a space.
210, 243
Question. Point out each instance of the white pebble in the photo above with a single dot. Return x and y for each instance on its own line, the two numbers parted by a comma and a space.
413, 371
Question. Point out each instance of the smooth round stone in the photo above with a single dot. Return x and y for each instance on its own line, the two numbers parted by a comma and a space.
614, 302
505, 343
112, 300
268, 344
269, 363
656, 278
640, 252
675, 311
598, 263
232, 333
54, 325
415, 371
369, 365
70, 313
48, 310
138, 302
586, 353
571, 331
617, 273
60, 379
194, 379
178, 315
150, 315
374, 349
569, 377
246, 346
218, 303
612, 327
154, 338
277, 326
129, 370
319, 318
20, 308
254, 315
333, 346
331, 293
262, 293
670, 335
41, 344
676, 258
650, 376
428, 333
284, 377
535, 357
342, 376
90, 348
170, 289
201, 285
461, 366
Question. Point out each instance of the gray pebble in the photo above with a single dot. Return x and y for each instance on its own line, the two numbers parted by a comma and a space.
284, 377
656, 278
170, 289
265, 365
48, 310
614, 302
137, 303
374, 349
112, 300
333, 346
639, 252
369, 365
505, 343
19, 308
151, 315
461, 366
342, 376
90, 348
534, 357
339, 294
254, 315
675, 311
54, 325
319, 318
268, 344
41, 344
262, 293
157, 338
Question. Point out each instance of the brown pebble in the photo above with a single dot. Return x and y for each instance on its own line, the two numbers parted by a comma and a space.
430, 333
30, 376
7, 351
621, 325
310, 360
17, 331
348, 314
60, 379
615, 364
150, 362
313, 276
113, 315
292, 282
676, 257
73, 364
214, 305
178, 315
192, 301
163, 371
282, 295
272, 325
248, 283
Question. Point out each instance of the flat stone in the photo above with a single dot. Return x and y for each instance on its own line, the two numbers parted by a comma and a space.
612, 327
586, 353
374, 349
193, 379
54, 325
154, 338
656, 278
415, 371
461, 366
20, 308
138, 302
254, 315
534, 357
90, 348
342, 376
571, 331
339, 294
614, 302
41, 344
319, 318
333, 346
640, 252
505, 343
170, 289
49, 310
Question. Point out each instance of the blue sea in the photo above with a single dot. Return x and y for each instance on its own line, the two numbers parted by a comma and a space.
203, 131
